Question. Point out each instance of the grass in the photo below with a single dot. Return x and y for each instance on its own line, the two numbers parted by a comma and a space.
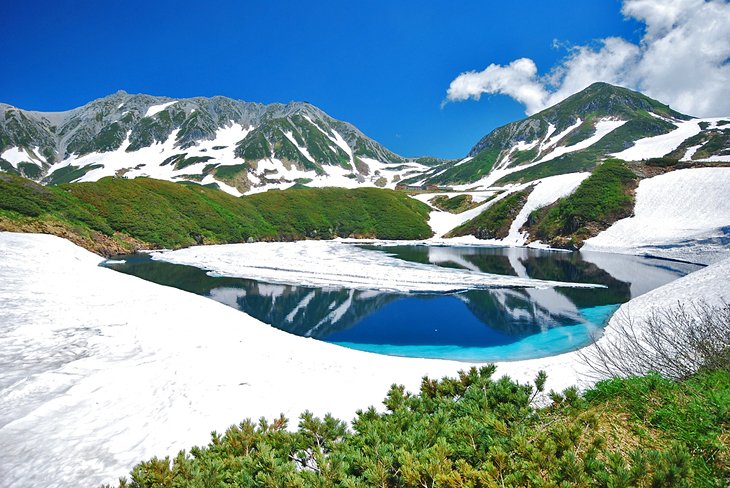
470, 171
603, 198
475, 430
456, 204
153, 213
495, 221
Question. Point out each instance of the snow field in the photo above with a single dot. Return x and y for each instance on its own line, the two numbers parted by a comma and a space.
681, 214
100, 370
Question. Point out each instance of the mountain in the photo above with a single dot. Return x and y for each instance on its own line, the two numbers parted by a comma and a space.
238, 146
245, 147
579, 132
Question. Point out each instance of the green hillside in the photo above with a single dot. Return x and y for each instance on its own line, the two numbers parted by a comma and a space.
114, 214
603, 198
596, 102
495, 221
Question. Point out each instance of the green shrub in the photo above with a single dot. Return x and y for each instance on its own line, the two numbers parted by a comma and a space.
475, 430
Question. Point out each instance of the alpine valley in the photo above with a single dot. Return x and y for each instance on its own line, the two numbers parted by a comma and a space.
559, 177
270, 282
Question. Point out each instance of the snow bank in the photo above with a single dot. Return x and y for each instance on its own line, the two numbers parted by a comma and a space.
99, 369
683, 214
339, 264
546, 192
442, 222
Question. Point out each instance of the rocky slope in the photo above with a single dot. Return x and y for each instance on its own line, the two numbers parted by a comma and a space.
238, 146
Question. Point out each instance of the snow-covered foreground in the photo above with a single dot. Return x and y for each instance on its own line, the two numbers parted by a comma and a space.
683, 214
334, 263
99, 370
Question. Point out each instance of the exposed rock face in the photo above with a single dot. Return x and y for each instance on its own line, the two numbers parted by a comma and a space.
215, 140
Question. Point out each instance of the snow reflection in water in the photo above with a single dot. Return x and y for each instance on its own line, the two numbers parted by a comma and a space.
474, 325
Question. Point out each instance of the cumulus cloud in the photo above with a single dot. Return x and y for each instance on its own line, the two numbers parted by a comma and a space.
518, 80
682, 59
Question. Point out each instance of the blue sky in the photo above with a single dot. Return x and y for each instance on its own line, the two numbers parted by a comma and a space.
384, 66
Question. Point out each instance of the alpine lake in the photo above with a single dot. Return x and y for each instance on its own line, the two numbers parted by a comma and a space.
496, 324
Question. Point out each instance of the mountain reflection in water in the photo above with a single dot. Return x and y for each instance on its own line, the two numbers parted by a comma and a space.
492, 324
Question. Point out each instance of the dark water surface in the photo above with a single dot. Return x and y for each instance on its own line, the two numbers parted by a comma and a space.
478, 325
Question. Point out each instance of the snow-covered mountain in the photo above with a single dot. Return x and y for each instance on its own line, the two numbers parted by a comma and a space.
239, 146
576, 134
245, 147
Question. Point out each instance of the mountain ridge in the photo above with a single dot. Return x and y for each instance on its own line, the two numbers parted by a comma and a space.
294, 137
573, 135
247, 147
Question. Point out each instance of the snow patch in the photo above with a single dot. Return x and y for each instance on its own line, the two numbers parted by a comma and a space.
465, 160
155, 109
546, 192
554, 140
17, 155
301, 149
658, 146
603, 128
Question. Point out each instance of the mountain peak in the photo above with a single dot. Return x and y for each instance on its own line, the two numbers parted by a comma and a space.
233, 144
607, 100
573, 135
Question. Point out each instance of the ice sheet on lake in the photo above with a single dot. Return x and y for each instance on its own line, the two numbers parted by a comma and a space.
335, 263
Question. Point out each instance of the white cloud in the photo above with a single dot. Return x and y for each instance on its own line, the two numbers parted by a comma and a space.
518, 80
681, 60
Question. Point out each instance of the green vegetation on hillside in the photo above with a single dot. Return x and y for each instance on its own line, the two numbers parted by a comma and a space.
153, 213
495, 221
272, 139
333, 212
603, 198
475, 431
455, 204
468, 172
598, 101
180, 161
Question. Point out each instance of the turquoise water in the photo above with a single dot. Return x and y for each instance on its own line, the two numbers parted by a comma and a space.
475, 325
550, 342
